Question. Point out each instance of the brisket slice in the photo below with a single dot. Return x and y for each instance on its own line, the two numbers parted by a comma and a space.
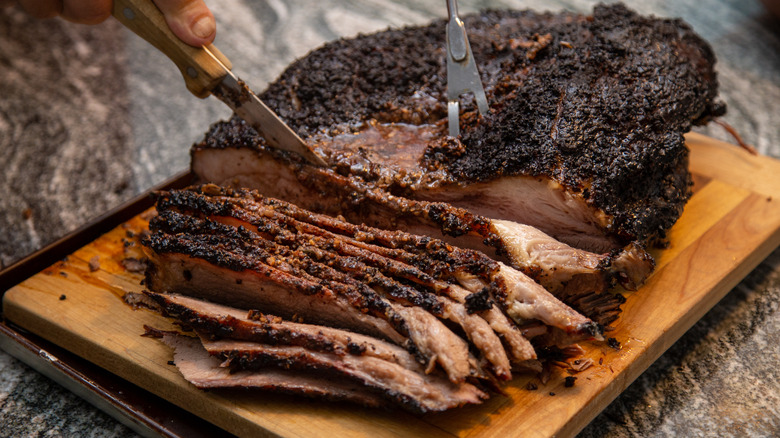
428, 336
524, 300
584, 139
205, 372
415, 391
442, 306
218, 321
519, 348
559, 267
324, 190
252, 348
180, 264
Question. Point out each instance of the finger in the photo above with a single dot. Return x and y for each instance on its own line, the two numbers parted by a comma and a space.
42, 8
190, 20
86, 11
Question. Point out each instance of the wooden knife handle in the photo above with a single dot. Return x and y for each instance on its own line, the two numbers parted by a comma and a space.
200, 70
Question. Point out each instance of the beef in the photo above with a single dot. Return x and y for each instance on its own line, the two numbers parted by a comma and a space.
414, 264
524, 300
199, 264
584, 138
181, 264
205, 372
415, 391
219, 321
519, 348
558, 266
578, 277
253, 348
419, 259
242, 249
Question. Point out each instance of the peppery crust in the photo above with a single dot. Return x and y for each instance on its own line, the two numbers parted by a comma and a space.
598, 103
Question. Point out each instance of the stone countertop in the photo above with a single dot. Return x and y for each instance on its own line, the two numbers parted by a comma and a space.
91, 116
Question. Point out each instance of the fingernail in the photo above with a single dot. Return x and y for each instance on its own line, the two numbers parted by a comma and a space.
204, 26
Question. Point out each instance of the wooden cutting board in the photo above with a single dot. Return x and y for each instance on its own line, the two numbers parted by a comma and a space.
731, 223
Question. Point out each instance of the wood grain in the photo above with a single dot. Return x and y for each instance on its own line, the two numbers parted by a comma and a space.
731, 223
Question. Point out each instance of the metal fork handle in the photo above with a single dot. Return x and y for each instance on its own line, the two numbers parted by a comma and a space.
457, 43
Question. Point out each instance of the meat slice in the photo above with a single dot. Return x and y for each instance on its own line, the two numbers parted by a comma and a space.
243, 250
558, 266
524, 299
580, 278
204, 371
218, 321
429, 335
518, 347
181, 265
253, 347
482, 336
415, 391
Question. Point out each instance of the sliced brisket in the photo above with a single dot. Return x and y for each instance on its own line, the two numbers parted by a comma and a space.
284, 260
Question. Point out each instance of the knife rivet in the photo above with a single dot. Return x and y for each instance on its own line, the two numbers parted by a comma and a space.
128, 13
191, 72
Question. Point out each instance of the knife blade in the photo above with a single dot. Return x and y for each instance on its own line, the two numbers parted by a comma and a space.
207, 71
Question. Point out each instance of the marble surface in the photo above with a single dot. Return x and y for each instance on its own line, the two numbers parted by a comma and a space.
91, 116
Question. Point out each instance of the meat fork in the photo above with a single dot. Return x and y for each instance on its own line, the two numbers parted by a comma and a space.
462, 74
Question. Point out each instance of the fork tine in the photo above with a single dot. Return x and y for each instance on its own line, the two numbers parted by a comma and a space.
453, 116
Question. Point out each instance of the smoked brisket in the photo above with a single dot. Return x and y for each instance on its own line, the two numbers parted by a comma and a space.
584, 139
418, 269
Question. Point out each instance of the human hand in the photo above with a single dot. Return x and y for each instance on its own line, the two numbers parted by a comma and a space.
190, 20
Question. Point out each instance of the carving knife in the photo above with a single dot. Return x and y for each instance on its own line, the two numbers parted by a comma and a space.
206, 71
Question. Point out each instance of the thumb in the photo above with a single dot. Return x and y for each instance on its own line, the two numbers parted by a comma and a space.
190, 20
